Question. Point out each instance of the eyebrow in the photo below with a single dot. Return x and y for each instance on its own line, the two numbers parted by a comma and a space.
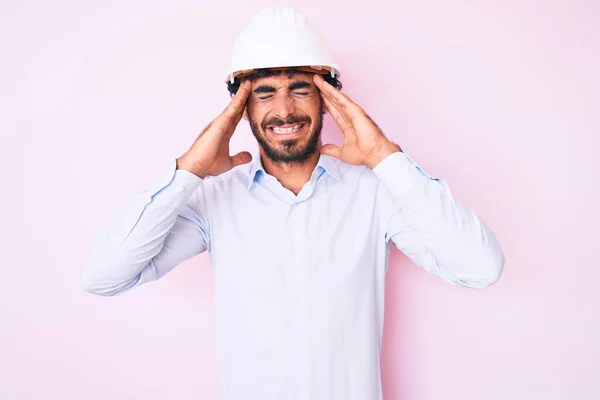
298, 85
264, 89
271, 89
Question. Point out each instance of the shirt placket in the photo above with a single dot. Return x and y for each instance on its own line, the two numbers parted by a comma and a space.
296, 271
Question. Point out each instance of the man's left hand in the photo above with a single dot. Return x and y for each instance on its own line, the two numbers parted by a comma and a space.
364, 143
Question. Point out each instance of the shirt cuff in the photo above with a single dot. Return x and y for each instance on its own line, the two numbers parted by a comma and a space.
400, 173
176, 181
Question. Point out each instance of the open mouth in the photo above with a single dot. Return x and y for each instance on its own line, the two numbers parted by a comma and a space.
286, 130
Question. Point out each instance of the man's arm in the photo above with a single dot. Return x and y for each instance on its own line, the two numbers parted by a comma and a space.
158, 229
434, 229
153, 232
428, 223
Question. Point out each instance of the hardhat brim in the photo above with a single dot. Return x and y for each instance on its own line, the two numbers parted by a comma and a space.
317, 69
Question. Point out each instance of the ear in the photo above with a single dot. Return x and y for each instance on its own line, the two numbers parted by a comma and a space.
245, 114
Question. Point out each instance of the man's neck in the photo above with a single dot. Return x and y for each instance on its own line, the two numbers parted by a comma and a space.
291, 176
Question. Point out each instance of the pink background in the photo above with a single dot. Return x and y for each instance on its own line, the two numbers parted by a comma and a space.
499, 99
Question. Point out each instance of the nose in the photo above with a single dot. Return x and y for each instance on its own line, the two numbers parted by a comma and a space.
283, 106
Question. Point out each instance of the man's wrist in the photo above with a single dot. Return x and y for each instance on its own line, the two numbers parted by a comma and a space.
184, 164
381, 152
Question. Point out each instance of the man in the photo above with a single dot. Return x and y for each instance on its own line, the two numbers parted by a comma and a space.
299, 236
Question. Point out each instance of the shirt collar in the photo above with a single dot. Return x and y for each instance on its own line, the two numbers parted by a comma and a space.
326, 162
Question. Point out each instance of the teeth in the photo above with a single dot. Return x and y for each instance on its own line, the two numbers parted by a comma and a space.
283, 131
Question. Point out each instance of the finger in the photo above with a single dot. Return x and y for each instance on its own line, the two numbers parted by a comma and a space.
225, 125
237, 104
331, 107
332, 99
331, 150
335, 113
243, 157
232, 115
337, 97
348, 113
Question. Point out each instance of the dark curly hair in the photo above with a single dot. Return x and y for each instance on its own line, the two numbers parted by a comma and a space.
264, 72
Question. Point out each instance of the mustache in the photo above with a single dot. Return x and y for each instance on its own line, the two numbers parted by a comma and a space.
292, 119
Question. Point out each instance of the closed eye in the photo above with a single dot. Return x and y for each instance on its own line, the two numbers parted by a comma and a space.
270, 95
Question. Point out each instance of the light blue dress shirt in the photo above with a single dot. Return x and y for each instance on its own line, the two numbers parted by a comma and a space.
299, 279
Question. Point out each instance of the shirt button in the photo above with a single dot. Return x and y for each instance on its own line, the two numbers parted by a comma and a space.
180, 188
299, 353
294, 251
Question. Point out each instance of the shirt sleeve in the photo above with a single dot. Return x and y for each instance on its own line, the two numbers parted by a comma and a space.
434, 229
149, 235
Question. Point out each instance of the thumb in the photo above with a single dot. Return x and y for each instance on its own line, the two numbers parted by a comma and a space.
331, 150
241, 158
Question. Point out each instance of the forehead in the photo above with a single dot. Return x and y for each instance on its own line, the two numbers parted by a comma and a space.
282, 79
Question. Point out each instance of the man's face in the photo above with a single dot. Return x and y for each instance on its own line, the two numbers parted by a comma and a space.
286, 116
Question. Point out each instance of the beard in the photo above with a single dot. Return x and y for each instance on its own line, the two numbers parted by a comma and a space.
289, 151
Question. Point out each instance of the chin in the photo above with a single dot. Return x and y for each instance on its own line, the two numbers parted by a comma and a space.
291, 146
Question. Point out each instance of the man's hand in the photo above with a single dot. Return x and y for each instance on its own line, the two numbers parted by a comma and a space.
209, 154
364, 143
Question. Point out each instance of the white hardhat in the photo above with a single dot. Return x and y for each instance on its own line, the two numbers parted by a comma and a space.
280, 37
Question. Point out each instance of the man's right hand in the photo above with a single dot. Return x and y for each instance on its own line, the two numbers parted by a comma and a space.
209, 155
